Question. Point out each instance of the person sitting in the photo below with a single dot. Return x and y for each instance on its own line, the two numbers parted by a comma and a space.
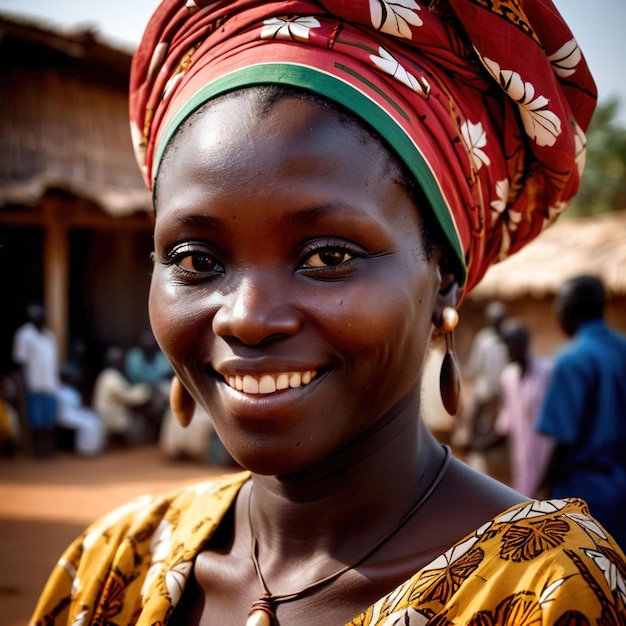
192, 441
146, 364
114, 400
73, 415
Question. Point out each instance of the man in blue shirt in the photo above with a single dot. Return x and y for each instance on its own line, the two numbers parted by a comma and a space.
584, 410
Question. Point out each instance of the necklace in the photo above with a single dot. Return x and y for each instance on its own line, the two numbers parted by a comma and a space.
263, 612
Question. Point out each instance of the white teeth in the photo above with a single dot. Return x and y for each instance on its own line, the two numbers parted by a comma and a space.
282, 381
250, 385
270, 383
267, 384
295, 379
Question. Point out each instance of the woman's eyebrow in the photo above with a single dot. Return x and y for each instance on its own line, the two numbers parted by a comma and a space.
200, 221
335, 210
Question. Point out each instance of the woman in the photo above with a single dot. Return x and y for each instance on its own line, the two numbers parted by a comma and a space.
329, 179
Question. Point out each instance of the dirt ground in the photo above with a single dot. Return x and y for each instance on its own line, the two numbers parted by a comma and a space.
45, 504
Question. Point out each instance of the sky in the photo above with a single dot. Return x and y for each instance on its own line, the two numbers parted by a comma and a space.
598, 26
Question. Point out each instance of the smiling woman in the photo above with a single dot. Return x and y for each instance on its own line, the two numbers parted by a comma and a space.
328, 185
313, 271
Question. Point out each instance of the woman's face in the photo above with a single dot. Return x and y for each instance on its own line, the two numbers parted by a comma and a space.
291, 291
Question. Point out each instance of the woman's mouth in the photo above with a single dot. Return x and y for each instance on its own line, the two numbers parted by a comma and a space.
270, 383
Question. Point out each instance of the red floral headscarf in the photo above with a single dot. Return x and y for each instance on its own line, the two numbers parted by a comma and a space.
485, 101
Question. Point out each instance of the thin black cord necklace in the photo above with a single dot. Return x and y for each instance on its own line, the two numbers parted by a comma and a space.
263, 612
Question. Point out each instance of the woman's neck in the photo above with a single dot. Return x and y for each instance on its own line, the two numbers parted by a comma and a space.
360, 492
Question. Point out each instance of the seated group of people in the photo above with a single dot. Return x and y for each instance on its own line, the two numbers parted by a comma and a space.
129, 405
126, 402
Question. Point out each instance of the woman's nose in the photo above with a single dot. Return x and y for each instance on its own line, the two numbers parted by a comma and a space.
256, 309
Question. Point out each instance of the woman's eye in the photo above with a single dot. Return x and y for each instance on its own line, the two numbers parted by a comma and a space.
194, 259
328, 258
199, 263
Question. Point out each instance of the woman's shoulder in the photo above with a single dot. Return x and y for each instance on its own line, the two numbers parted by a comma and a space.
489, 504
141, 552
213, 494
542, 561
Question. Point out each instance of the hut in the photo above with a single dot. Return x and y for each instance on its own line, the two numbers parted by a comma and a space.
75, 217
528, 281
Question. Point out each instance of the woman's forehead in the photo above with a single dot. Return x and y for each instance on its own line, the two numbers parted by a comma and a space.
240, 114
244, 132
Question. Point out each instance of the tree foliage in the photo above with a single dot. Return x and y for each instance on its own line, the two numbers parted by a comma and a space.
603, 186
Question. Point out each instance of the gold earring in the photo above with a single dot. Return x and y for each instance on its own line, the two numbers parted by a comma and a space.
181, 402
450, 376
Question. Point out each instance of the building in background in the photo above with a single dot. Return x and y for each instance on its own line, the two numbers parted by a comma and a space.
75, 217
529, 280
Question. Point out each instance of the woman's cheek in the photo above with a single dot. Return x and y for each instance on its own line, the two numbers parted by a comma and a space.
164, 313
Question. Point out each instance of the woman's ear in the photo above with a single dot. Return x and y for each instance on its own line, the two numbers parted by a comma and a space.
450, 293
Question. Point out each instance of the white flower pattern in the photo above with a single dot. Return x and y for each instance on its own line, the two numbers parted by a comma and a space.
297, 29
548, 593
580, 146
501, 192
612, 575
534, 508
587, 523
406, 617
171, 84
566, 58
475, 139
176, 578
395, 18
540, 123
160, 547
388, 64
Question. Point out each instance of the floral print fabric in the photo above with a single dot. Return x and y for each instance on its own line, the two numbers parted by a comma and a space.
538, 563
486, 102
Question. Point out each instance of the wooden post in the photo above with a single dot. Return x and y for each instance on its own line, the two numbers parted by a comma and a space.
56, 274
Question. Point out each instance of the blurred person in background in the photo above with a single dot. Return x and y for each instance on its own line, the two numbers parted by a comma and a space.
585, 407
73, 415
116, 400
523, 384
145, 364
475, 432
488, 357
192, 441
35, 351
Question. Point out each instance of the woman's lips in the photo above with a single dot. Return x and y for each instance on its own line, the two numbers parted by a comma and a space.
269, 383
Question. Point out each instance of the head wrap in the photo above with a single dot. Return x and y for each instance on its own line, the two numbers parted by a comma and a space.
486, 102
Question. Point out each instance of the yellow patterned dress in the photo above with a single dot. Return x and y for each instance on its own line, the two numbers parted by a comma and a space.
538, 563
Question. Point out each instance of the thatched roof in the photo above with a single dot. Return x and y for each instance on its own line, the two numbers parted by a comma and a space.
572, 246
64, 119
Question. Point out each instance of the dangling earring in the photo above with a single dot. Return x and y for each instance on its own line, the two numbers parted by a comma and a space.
450, 376
181, 402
